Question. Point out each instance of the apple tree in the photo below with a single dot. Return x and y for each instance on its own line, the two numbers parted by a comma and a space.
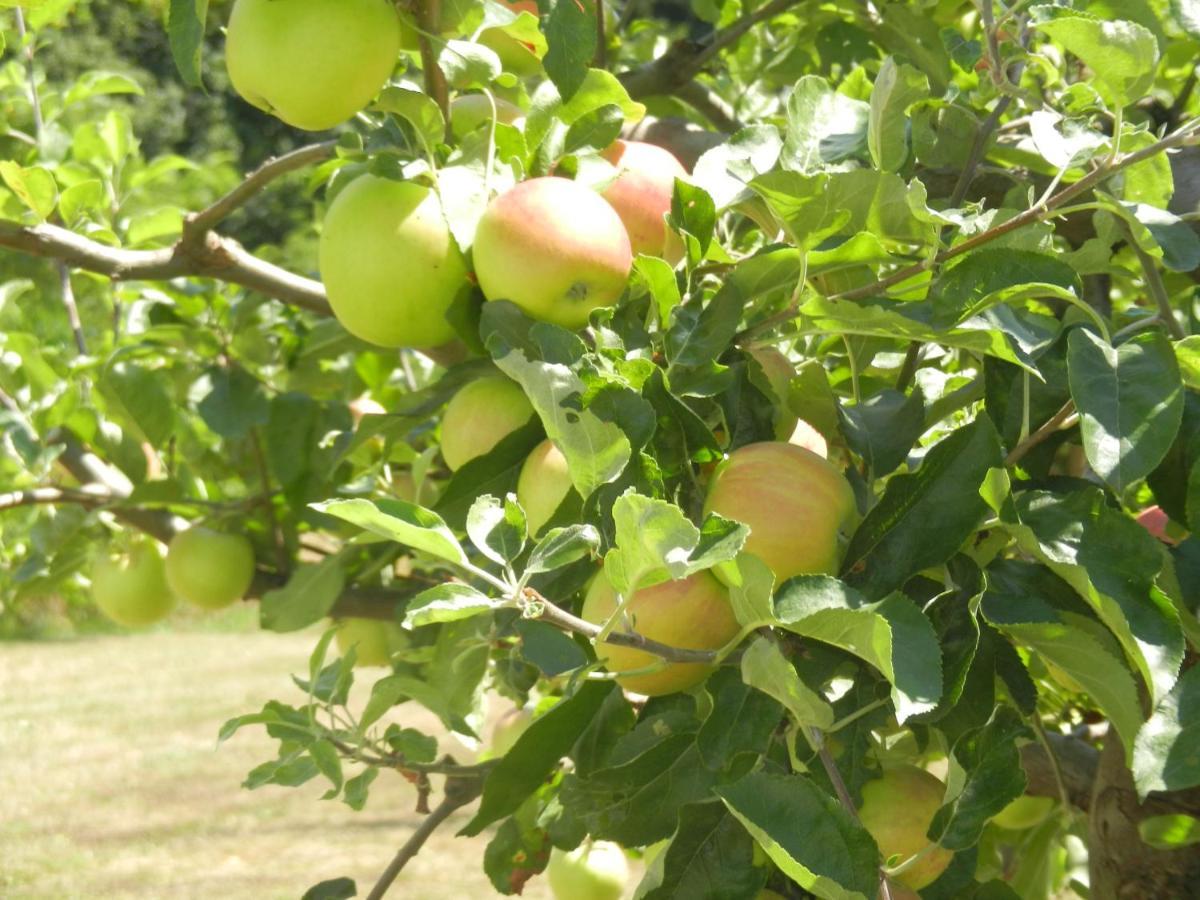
790, 408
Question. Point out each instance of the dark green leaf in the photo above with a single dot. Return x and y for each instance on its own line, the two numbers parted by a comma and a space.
185, 26
710, 857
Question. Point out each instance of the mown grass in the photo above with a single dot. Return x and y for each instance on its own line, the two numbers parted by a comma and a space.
112, 785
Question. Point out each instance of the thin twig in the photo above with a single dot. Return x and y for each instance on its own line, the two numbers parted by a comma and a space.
458, 794
600, 60
1158, 290
1061, 783
1055, 423
53, 496
264, 475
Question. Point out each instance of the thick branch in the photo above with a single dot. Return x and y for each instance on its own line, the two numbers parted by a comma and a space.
53, 496
1077, 761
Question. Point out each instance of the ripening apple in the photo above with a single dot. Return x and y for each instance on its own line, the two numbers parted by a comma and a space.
390, 265
312, 63
469, 111
543, 485
794, 502
209, 568
779, 371
1024, 812
554, 248
515, 55
374, 641
131, 587
595, 870
692, 613
641, 194
897, 810
480, 416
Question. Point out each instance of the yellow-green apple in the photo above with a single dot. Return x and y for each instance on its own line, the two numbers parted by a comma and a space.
389, 263
794, 501
469, 111
779, 371
641, 194
374, 641
405, 487
1024, 812
131, 587
515, 55
692, 613
595, 870
312, 63
210, 568
543, 485
480, 416
897, 809
508, 728
554, 248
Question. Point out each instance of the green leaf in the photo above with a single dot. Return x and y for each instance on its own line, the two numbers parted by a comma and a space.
1179, 244
654, 543
923, 518
1130, 402
1166, 754
95, 84
307, 597
400, 521
185, 28
418, 109
892, 635
595, 130
560, 547
897, 87
571, 36
34, 187
1187, 354
765, 668
336, 888
1122, 55
742, 721
84, 197
467, 64
884, 427
807, 834
448, 603
548, 648
693, 212
823, 126
536, 754
325, 755
710, 855
141, 394
986, 277
1170, 832
235, 403
497, 528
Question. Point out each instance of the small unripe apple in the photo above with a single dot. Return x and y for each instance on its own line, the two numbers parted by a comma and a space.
779, 371
554, 248
374, 641
515, 55
131, 588
480, 416
469, 111
508, 729
897, 810
794, 501
1024, 812
209, 568
641, 194
592, 871
543, 485
389, 263
692, 613
312, 63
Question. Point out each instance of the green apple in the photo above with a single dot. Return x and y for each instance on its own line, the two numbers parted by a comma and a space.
508, 728
641, 194
897, 810
469, 111
1024, 812
374, 641
543, 485
595, 870
131, 587
779, 371
554, 248
480, 416
794, 501
692, 613
312, 63
389, 263
209, 568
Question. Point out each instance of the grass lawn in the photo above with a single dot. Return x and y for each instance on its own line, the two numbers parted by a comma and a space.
112, 786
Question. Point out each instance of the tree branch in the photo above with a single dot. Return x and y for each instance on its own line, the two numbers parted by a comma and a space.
54, 496
1157, 289
1053, 424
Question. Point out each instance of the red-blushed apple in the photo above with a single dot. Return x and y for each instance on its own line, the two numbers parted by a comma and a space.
210, 568
1155, 521
779, 371
131, 587
543, 485
469, 111
480, 416
595, 870
515, 55
641, 194
390, 265
374, 641
554, 248
897, 809
692, 613
1024, 812
794, 502
312, 63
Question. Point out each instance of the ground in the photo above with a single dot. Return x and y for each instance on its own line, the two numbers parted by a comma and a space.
112, 784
